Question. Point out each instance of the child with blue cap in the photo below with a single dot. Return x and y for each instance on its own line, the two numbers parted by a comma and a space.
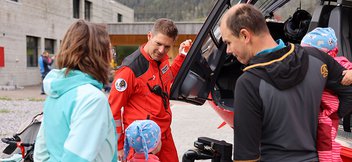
144, 137
323, 39
328, 149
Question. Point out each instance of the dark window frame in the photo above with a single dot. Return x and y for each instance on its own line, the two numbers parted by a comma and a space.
119, 17
49, 45
87, 10
32, 52
76, 8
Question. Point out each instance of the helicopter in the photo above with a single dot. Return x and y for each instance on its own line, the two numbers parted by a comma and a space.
208, 74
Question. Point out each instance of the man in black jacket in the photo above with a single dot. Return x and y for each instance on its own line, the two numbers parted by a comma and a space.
277, 99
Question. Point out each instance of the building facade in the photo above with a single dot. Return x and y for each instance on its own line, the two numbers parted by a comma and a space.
28, 27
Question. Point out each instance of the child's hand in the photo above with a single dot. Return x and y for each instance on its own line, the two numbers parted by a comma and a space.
120, 155
347, 79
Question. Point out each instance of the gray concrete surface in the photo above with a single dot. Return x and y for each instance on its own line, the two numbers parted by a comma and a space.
28, 92
189, 121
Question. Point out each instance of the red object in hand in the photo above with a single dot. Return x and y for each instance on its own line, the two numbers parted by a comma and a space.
186, 48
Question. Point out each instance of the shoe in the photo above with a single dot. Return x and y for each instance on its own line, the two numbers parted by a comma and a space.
42, 93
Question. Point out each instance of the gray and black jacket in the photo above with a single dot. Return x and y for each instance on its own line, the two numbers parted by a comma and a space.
277, 101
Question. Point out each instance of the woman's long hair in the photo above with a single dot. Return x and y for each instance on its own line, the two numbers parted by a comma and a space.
86, 47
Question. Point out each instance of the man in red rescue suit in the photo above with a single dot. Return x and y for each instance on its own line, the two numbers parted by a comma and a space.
142, 85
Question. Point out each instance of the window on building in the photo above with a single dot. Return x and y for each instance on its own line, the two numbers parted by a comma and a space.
119, 17
50, 46
76, 9
87, 10
32, 51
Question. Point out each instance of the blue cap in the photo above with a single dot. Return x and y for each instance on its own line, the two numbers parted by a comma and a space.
321, 38
143, 136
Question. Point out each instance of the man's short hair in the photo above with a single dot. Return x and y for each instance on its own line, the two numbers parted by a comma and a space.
166, 27
246, 16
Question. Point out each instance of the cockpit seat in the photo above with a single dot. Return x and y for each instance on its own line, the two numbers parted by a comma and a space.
341, 21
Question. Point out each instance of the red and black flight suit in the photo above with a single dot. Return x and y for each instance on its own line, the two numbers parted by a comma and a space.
132, 90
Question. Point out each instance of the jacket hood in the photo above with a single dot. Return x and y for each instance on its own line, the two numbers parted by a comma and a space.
283, 69
56, 83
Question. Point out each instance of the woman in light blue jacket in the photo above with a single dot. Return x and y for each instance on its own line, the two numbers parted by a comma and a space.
78, 125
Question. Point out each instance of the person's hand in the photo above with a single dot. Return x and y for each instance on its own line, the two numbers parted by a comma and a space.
185, 46
347, 79
120, 156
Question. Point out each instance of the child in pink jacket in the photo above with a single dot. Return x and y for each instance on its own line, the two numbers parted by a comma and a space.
328, 149
144, 137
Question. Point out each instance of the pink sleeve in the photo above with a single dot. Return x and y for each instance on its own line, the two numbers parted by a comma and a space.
344, 62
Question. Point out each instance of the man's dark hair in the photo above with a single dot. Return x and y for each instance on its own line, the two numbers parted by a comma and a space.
246, 16
166, 27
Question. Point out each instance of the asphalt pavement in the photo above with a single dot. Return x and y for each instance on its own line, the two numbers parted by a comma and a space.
189, 121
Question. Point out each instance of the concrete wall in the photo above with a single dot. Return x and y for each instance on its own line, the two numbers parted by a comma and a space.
45, 19
144, 27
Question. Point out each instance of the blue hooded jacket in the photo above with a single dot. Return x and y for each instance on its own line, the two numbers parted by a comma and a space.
78, 125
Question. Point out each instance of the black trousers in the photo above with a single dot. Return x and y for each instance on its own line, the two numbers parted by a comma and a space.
347, 123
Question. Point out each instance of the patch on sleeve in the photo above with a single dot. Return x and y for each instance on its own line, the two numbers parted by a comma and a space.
324, 70
120, 85
164, 69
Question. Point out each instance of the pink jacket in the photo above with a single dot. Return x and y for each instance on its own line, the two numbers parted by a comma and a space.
328, 149
139, 157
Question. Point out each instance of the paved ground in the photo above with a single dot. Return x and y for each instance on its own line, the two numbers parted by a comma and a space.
29, 92
189, 121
